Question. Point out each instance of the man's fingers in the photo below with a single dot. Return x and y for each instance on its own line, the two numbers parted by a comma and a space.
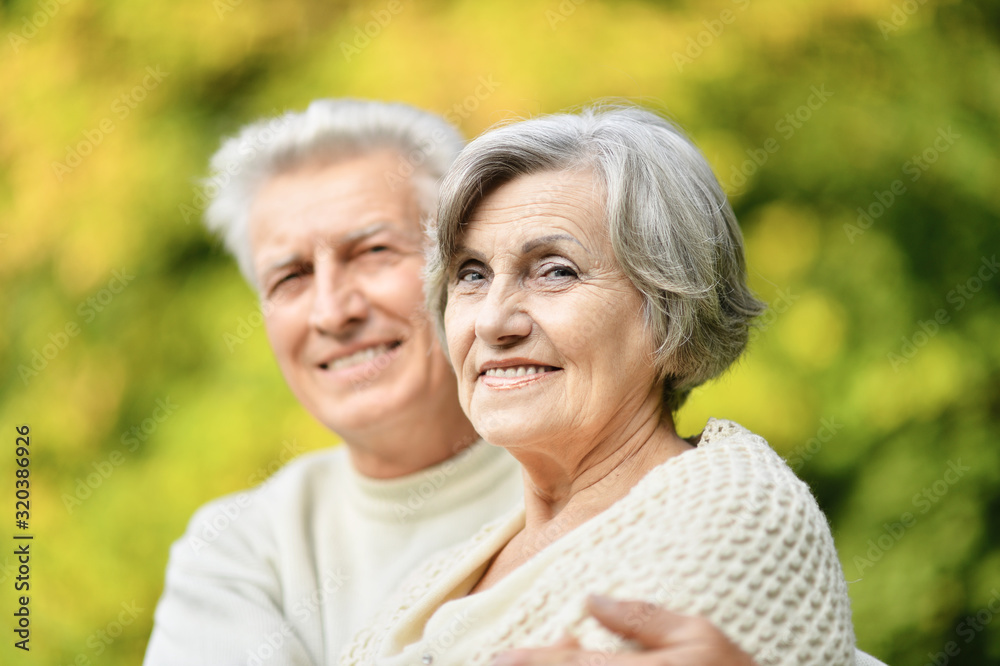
552, 656
673, 637
647, 624
562, 657
568, 642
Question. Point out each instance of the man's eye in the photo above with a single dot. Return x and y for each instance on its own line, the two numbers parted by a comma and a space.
285, 280
378, 248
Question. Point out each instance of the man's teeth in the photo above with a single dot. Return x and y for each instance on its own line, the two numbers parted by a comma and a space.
359, 357
519, 371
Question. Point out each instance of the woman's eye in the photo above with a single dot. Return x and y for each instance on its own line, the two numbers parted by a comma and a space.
559, 272
470, 276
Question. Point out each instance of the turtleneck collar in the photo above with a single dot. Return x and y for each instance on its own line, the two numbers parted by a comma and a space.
426, 493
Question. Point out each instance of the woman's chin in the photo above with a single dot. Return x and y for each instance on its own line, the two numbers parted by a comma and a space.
516, 436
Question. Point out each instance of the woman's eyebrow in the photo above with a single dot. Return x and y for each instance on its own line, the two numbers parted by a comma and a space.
551, 238
464, 252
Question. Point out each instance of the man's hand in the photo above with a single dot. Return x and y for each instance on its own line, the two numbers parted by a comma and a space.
667, 639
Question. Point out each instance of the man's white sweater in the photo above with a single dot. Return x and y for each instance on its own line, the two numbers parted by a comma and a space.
286, 573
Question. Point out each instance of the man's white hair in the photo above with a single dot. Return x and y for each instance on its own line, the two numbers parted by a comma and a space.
328, 131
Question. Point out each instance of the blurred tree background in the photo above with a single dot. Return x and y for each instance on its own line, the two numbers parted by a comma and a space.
858, 139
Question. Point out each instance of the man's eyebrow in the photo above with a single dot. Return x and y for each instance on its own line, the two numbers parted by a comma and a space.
284, 262
551, 238
346, 239
363, 232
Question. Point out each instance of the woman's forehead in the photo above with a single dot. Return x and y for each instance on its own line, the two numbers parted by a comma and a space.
541, 204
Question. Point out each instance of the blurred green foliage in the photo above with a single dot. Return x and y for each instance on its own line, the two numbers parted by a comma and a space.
858, 140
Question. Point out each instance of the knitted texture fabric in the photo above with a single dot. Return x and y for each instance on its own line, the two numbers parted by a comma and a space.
725, 531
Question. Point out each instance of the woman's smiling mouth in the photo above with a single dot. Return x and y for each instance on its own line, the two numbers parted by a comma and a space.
514, 374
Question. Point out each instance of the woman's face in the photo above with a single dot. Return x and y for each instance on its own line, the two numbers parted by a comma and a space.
546, 333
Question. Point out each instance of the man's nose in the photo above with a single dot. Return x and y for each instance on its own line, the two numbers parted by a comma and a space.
339, 302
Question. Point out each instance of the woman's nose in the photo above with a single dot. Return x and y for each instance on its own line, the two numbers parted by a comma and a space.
501, 320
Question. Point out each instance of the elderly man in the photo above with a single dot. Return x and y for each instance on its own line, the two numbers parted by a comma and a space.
324, 212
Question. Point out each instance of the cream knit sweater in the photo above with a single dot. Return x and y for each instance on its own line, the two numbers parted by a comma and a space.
725, 531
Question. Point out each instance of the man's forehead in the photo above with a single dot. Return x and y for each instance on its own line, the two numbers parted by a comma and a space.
342, 216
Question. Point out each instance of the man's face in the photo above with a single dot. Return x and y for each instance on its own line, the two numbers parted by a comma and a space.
338, 257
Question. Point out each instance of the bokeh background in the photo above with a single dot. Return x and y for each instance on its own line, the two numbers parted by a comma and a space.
859, 142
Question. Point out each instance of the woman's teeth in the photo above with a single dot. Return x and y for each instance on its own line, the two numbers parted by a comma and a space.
519, 371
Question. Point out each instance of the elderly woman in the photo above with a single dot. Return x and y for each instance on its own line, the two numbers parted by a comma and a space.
589, 273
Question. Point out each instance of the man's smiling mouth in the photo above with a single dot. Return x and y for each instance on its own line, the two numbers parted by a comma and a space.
361, 356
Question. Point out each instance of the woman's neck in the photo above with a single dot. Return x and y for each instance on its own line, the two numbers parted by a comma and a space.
560, 497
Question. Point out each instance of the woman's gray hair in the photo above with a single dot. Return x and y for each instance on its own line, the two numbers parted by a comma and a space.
671, 227
328, 131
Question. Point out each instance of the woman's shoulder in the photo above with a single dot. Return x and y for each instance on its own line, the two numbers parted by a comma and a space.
732, 487
727, 531
728, 462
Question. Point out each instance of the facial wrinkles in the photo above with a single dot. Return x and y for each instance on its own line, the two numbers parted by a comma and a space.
521, 213
293, 212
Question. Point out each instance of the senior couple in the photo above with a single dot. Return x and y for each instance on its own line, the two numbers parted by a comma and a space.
584, 272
